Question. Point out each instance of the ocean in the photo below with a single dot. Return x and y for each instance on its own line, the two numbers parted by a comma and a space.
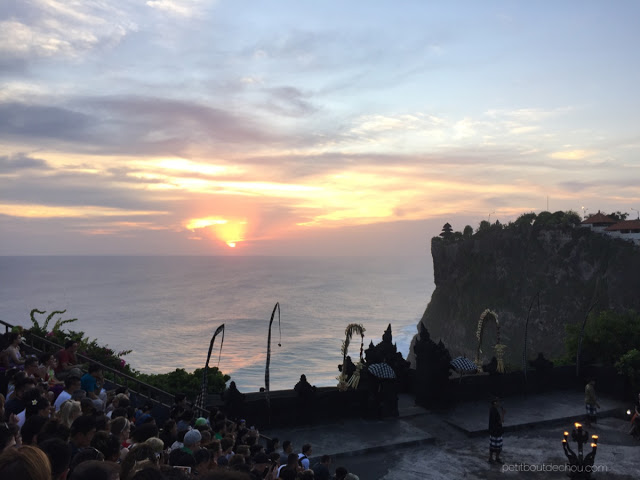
165, 309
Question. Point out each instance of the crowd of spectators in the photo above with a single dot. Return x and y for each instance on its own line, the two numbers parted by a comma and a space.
59, 422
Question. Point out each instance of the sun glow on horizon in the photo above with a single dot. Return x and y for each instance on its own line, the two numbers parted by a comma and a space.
227, 231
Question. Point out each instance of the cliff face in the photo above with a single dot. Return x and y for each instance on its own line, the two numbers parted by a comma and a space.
567, 268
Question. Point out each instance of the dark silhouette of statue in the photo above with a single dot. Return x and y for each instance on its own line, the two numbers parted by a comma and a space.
433, 364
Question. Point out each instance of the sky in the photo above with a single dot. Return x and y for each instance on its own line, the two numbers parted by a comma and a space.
221, 127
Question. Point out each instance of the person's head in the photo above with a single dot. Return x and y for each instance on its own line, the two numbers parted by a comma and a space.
306, 449
103, 423
69, 411
87, 406
31, 429
292, 460
83, 429
23, 385
287, 446
30, 365
78, 395
273, 444
226, 444
108, 444
341, 473
141, 455
72, 383
24, 463
260, 462
14, 339
325, 459
94, 369
71, 346
45, 358
96, 470
180, 399
202, 457
59, 453
192, 439
36, 404
143, 432
54, 429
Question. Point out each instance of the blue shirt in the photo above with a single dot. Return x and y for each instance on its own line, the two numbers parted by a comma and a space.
88, 383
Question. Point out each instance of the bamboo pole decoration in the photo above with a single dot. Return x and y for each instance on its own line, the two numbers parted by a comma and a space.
342, 378
499, 348
205, 374
266, 371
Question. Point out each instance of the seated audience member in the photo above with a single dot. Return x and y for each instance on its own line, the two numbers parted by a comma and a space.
69, 411
31, 368
48, 363
24, 463
91, 382
71, 384
108, 444
96, 470
59, 453
67, 361
31, 429
202, 460
139, 457
12, 351
82, 431
144, 432
16, 403
84, 455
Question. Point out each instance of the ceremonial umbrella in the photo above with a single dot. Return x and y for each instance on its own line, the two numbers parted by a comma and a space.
381, 370
464, 365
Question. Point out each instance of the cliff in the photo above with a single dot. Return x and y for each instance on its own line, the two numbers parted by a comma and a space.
568, 270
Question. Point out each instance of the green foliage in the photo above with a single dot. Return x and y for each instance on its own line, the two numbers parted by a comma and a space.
468, 231
608, 336
525, 219
484, 225
172, 382
629, 366
618, 216
180, 381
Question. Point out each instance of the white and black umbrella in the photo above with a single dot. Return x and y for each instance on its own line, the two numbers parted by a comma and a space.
381, 370
464, 365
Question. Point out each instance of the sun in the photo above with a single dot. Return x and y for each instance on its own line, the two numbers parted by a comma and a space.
232, 244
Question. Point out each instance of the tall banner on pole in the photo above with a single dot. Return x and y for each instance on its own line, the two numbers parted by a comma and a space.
201, 400
266, 371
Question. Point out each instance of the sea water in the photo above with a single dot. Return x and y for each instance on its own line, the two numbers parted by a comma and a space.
165, 309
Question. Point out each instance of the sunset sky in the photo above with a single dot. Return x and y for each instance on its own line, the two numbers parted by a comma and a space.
308, 127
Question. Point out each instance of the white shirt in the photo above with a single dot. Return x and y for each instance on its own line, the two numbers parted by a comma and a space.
63, 397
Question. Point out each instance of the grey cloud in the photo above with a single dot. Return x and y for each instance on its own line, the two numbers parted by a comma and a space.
20, 161
289, 101
79, 189
41, 121
129, 125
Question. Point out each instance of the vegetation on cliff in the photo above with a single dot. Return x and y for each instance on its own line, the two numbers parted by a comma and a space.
173, 382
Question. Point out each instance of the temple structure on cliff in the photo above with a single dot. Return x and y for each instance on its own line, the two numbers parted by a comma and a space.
625, 229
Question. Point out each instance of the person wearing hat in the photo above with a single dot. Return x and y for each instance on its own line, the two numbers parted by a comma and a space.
201, 421
191, 441
261, 464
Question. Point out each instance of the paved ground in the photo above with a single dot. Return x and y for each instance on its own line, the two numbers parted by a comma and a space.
427, 445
